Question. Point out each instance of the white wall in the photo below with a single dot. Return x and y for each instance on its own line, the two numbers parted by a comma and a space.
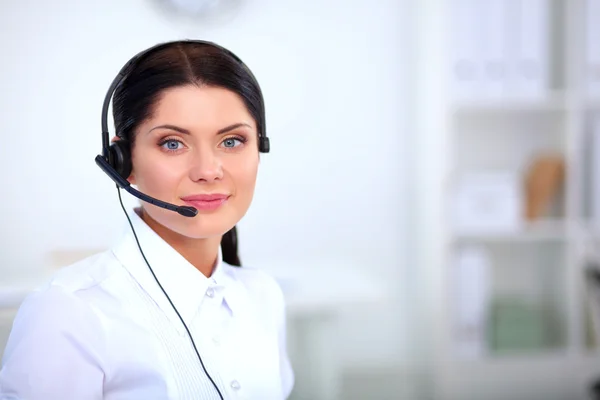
334, 78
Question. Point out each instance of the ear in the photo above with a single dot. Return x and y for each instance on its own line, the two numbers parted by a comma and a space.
114, 139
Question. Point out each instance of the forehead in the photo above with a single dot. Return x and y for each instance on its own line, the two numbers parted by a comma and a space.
204, 106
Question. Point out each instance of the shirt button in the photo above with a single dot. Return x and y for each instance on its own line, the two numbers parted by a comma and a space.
235, 385
210, 292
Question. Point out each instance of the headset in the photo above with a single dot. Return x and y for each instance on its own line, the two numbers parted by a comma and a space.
115, 161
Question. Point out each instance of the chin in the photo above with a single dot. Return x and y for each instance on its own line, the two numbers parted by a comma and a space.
202, 226
204, 232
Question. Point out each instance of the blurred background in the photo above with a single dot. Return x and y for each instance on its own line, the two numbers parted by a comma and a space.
430, 205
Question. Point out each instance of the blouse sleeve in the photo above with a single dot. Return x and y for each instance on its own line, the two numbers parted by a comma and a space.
52, 351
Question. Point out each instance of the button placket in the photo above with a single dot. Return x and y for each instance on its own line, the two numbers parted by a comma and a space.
213, 310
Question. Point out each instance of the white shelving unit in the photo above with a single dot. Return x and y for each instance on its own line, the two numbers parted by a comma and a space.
541, 262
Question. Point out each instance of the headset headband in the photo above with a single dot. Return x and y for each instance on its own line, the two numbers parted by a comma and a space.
263, 140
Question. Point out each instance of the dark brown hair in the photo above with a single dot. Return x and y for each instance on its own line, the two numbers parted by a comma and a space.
178, 64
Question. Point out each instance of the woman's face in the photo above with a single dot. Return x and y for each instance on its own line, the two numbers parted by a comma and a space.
198, 148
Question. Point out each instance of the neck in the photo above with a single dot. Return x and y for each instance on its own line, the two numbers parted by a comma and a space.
201, 253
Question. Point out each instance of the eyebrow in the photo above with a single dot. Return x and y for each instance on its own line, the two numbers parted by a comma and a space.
186, 132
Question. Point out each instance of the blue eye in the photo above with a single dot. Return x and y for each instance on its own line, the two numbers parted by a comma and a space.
171, 144
231, 142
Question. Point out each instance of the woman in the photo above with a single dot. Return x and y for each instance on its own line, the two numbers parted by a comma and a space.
167, 312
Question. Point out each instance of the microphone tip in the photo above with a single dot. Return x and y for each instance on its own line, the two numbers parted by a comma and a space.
187, 211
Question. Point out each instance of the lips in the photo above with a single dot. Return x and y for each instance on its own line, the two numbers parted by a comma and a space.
206, 202
205, 197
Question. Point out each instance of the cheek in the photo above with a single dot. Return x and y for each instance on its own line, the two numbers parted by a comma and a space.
244, 172
156, 176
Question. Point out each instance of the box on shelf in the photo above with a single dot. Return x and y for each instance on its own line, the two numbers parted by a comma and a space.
488, 202
544, 181
517, 325
471, 294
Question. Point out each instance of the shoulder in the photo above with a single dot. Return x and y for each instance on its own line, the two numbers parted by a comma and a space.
49, 308
61, 301
84, 274
53, 324
61, 298
50, 324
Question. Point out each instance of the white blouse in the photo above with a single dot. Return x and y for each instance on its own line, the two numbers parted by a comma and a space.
103, 329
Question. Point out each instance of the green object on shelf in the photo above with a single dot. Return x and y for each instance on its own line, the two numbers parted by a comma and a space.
517, 326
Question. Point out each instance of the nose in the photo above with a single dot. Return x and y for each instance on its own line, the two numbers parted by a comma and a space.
205, 166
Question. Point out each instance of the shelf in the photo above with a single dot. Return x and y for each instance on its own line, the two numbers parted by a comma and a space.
554, 102
537, 261
542, 231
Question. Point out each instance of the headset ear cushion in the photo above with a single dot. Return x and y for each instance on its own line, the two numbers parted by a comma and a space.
264, 145
120, 158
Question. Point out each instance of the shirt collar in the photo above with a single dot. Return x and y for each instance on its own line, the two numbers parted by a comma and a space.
185, 285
